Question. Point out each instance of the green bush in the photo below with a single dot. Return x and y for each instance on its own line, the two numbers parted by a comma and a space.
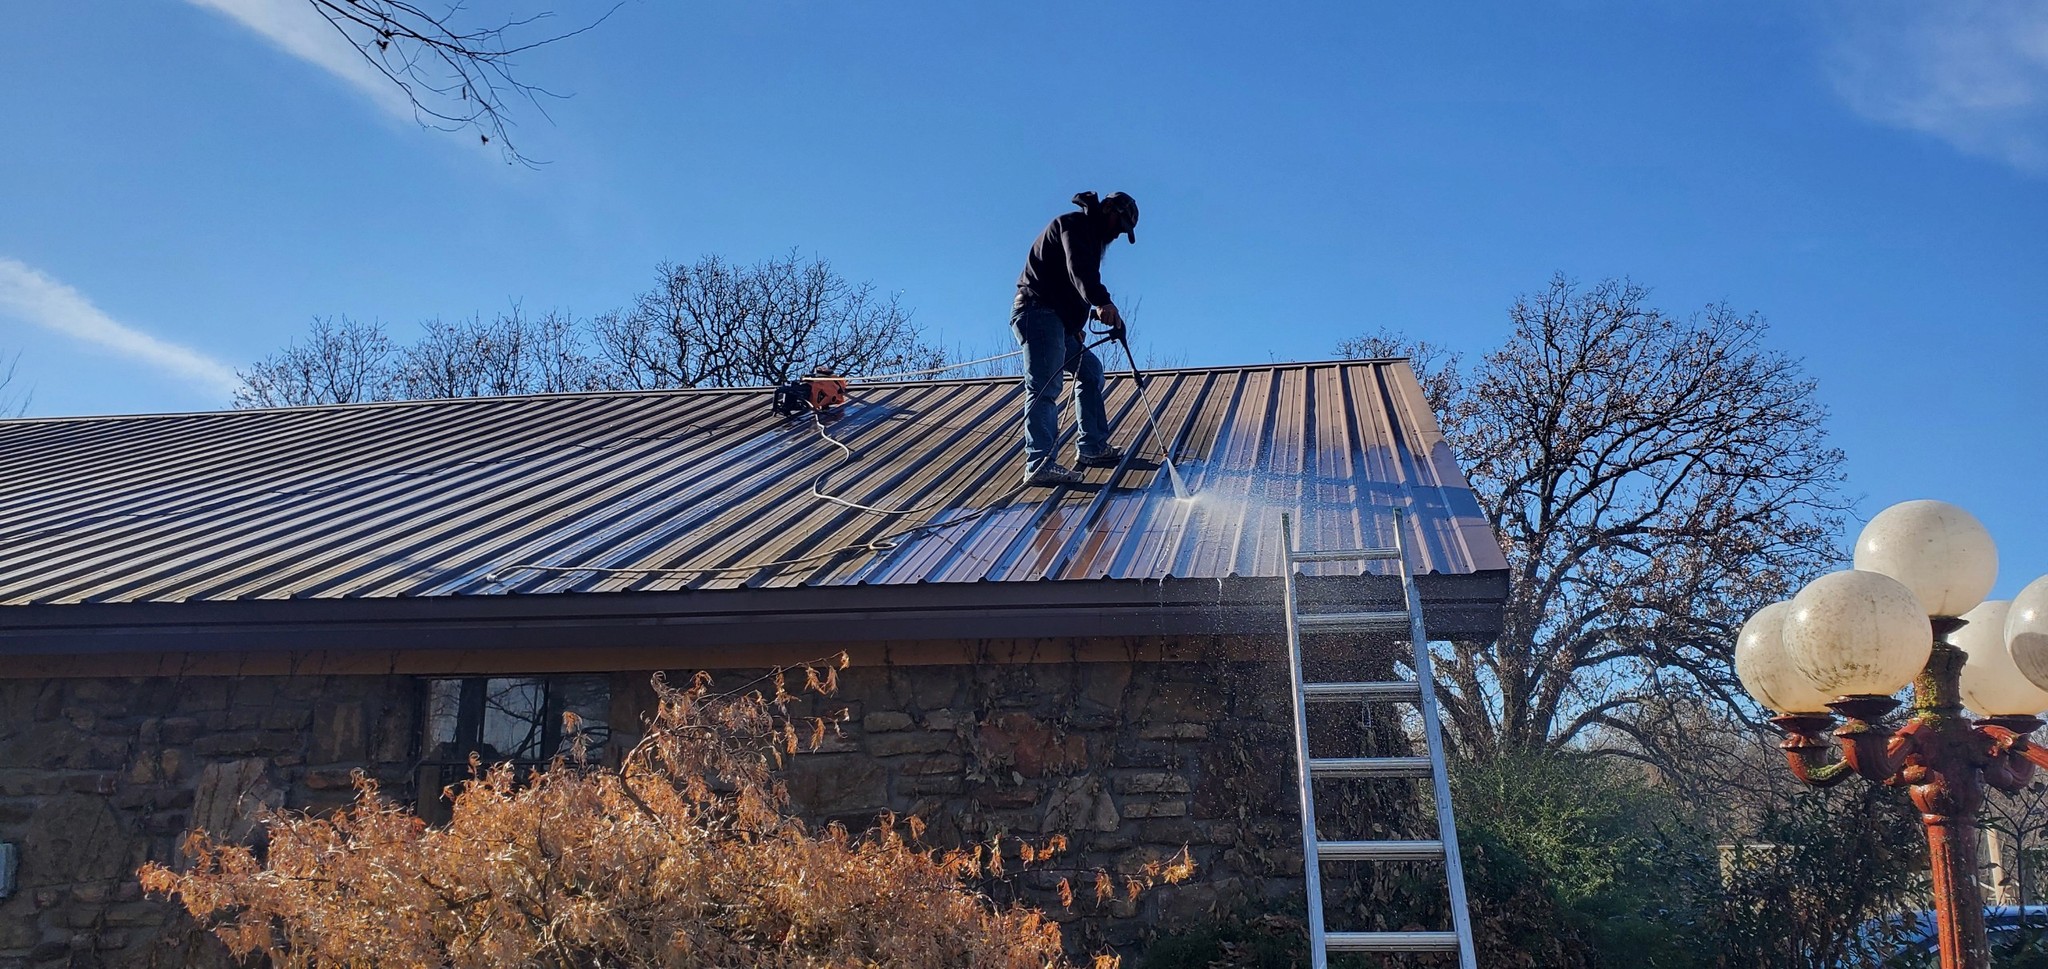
1573, 860
1580, 862
1811, 875
1562, 866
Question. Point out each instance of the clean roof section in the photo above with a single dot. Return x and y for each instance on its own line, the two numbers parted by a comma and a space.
709, 490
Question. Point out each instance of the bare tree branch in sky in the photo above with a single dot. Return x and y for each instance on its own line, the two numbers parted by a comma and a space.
457, 73
341, 362
510, 354
708, 324
13, 401
715, 324
1654, 480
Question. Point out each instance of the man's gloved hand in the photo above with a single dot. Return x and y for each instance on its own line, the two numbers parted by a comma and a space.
1111, 319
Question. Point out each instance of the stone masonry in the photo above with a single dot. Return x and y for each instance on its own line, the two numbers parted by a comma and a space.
1132, 761
99, 775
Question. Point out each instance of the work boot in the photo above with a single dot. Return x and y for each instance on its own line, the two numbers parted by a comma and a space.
1109, 457
1050, 473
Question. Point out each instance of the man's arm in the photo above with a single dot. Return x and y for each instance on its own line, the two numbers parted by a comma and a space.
1084, 265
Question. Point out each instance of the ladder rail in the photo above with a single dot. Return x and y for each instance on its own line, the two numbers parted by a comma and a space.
1432, 731
1317, 938
1422, 692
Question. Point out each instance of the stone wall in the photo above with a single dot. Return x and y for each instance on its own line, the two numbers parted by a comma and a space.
1130, 760
99, 775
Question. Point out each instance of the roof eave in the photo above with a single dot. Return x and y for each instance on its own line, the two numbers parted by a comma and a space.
1455, 607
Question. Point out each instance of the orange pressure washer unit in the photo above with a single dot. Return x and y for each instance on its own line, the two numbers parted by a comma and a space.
822, 392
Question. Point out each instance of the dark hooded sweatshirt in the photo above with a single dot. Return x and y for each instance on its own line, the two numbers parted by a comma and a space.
1064, 271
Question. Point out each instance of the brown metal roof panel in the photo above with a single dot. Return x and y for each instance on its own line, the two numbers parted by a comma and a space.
684, 522
144, 528
989, 471
1333, 469
449, 497
128, 520
1455, 513
187, 462
961, 553
381, 557
912, 470
960, 493
1244, 404
641, 486
635, 506
280, 551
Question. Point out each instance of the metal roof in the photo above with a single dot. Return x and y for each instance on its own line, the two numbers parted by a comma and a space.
707, 488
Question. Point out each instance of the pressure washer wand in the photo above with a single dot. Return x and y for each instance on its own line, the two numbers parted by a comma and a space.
1180, 488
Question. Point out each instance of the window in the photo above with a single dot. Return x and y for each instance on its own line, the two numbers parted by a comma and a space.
512, 718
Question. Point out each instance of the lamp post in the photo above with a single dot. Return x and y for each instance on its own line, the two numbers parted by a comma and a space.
1912, 610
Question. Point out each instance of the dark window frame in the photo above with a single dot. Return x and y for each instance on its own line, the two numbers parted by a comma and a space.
446, 762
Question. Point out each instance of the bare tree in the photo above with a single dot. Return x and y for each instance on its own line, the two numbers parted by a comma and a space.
456, 73
509, 354
13, 403
341, 362
1653, 480
710, 324
713, 324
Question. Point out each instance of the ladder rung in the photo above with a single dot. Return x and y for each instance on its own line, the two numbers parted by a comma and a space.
1368, 767
1380, 850
1345, 555
1378, 691
1390, 621
1391, 941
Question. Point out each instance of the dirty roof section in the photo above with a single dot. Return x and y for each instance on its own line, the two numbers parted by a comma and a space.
707, 489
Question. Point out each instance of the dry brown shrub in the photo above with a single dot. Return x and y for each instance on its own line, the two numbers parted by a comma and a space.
683, 856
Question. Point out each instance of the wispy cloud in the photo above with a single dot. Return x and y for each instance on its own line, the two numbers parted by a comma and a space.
298, 29
1973, 73
35, 298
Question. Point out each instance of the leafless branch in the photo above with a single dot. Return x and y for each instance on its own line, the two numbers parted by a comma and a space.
714, 324
341, 362
457, 75
13, 403
1653, 480
708, 324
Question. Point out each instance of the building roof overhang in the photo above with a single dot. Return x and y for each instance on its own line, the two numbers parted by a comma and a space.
1455, 607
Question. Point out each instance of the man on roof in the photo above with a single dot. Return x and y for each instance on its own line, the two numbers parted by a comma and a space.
1062, 281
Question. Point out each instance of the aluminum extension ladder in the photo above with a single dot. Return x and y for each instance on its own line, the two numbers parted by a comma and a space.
1419, 691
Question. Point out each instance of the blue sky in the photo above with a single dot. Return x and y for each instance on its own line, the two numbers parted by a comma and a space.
183, 185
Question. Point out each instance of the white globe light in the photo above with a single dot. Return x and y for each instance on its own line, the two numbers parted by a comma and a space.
1767, 672
2026, 631
1858, 632
1992, 684
1936, 549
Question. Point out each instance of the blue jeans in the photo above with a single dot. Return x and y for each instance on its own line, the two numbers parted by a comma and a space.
1050, 350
